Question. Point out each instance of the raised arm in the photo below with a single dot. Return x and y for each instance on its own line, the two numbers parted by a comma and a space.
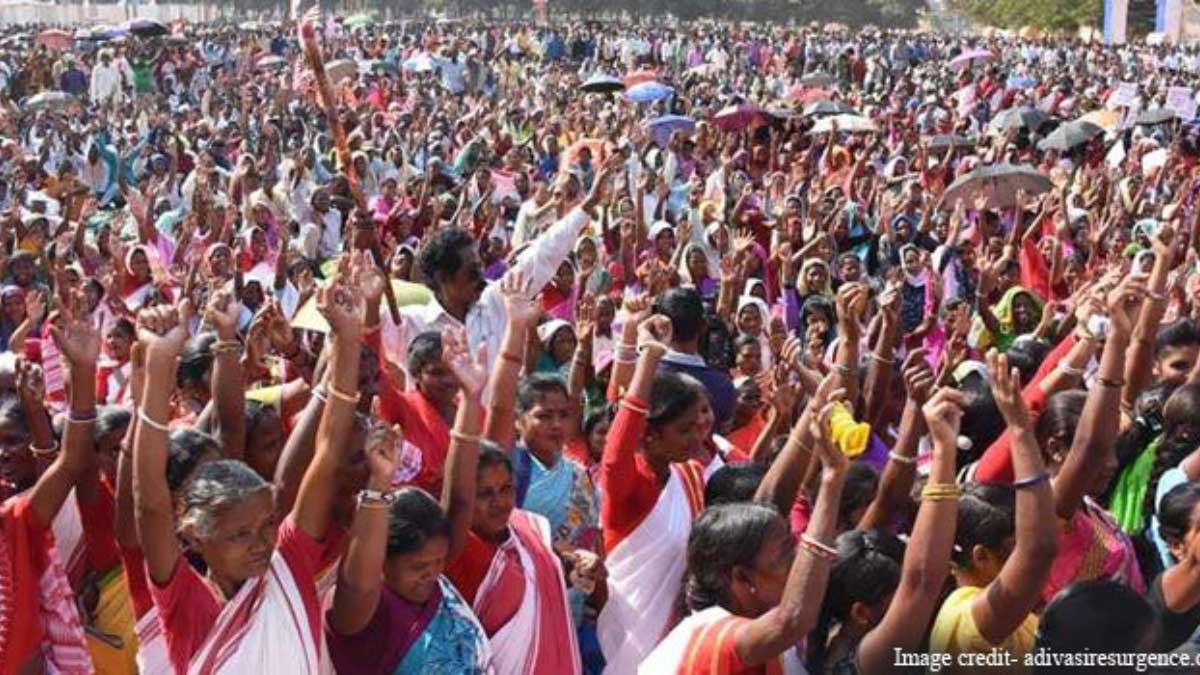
1012, 595
340, 302
462, 461
879, 372
228, 389
927, 556
782, 482
1140, 364
79, 344
1097, 431
851, 303
163, 331
516, 291
781, 627
124, 521
360, 578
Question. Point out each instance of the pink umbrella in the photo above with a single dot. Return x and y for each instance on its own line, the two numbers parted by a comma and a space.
971, 56
59, 40
738, 117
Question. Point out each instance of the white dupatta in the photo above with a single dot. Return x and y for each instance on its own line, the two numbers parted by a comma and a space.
645, 574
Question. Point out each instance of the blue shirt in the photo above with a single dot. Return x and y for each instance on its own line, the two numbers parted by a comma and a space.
721, 393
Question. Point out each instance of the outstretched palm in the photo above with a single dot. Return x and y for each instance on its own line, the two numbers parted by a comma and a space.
76, 338
516, 291
471, 375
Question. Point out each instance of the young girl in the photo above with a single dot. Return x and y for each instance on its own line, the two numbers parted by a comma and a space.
113, 375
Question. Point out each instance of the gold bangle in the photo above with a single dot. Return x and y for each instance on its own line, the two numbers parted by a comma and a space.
935, 492
512, 358
465, 438
333, 391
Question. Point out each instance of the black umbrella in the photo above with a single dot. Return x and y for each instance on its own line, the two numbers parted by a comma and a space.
602, 84
146, 27
1018, 118
1070, 135
1000, 182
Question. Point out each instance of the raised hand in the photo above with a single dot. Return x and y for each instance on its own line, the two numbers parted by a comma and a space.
654, 332
343, 307
74, 335
637, 307
943, 415
850, 304
367, 277
585, 319
471, 374
1124, 303
163, 330
35, 306
222, 313
380, 452
31, 381
517, 294
918, 376
1006, 390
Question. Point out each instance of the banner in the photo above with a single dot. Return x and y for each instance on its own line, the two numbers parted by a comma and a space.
1183, 102
1116, 15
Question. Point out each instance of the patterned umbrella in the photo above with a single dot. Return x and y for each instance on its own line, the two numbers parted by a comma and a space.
648, 92
664, 126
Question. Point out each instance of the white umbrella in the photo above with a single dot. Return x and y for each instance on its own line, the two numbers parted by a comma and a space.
856, 124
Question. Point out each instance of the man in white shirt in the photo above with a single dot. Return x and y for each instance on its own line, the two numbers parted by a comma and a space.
452, 269
106, 81
321, 236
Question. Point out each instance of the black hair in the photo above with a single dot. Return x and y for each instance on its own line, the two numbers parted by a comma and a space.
110, 418
1060, 418
1026, 355
1181, 333
424, 350
534, 388
196, 359
724, 537
1176, 509
414, 520
185, 448
671, 396
491, 454
443, 253
744, 341
1096, 616
982, 422
123, 324
607, 413
685, 309
986, 517
862, 482
734, 483
867, 570
256, 413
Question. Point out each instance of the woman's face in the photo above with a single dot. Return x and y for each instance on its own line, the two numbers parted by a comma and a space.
258, 241
749, 359
750, 321
816, 323
437, 383
544, 426
1179, 549
912, 261
562, 345
679, 439
18, 470
815, 277
565, 278
587, 254
495, 497
118, 343
265, 445
414, 576
139, 265
598, 438
849, 270
14, 308
402, 264
759, 587
664, 243
242, 540
605, 313
1025, 314
697, 264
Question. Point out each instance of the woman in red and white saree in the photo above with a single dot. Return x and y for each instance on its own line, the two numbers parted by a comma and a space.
257, 610
652, 494
754, 596
514, 581
40, 628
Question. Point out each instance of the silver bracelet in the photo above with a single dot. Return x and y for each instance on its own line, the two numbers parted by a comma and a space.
902, 459
151, 423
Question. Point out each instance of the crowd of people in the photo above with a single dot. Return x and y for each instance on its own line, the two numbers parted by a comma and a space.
467, 347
